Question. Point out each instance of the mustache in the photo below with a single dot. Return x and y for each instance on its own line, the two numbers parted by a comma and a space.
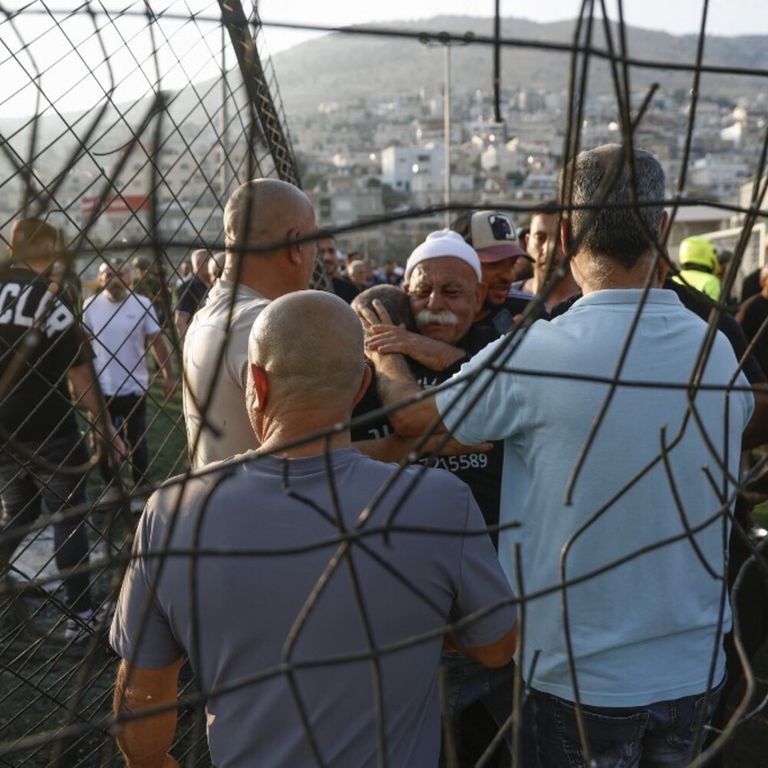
444, 317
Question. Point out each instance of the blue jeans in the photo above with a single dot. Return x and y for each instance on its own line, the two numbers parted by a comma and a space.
469, 682
659, 734
26, 489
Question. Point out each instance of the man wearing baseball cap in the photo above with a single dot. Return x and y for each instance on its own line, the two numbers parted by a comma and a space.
492, 234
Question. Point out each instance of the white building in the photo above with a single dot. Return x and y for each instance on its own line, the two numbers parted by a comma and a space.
720, 175
399, 165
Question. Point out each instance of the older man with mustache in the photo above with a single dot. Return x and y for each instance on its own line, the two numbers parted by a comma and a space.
443, 286
443, 279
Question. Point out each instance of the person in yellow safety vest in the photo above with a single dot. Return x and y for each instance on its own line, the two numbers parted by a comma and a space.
699, 262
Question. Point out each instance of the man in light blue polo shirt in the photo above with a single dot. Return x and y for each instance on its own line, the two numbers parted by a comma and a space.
626, 610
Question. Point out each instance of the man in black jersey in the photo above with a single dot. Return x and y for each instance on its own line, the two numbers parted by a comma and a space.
43, 457
443, 284
342, 286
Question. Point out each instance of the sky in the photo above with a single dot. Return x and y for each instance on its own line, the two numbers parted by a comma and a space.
725, 17
66, 57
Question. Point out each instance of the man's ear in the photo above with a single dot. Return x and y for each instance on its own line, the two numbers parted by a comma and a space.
664, 226
364, 384
294, 250
260, 387
565, 235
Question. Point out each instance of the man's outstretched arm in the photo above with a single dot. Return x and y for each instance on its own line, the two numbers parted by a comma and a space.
145, 741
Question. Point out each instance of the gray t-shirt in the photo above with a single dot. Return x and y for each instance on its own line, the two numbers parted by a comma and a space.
225, 321
266, 535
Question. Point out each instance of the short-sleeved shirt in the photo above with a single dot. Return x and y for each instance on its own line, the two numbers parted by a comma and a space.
220, 328
697, 303
646, 630
266, 533
481, 471
38, 405
119, 332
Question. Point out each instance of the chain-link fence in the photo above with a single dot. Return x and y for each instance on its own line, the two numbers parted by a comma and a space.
140, 123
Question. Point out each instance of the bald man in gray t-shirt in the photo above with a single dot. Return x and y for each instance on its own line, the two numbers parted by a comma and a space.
429, 575
280, 587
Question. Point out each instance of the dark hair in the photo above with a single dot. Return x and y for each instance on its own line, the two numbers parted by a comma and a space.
548, 208
395, 301
28, 233
463, 225
617, 230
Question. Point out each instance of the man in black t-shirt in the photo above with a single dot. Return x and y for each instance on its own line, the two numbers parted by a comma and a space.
43, 458
493, 236
193, 291
442, 283
343, 287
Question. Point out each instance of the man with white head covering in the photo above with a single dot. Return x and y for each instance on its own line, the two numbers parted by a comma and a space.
443, 282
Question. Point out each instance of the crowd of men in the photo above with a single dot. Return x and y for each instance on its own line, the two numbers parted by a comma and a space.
580, 433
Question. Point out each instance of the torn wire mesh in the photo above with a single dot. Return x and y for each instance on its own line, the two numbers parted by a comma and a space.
181, 109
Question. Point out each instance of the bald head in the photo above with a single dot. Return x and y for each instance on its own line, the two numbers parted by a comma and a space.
261, 211
308, 366
199, 259
276, 216
115, 278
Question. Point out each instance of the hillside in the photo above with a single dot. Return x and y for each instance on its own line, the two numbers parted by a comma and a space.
343, 67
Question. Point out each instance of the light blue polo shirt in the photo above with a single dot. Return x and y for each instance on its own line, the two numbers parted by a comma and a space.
645, 630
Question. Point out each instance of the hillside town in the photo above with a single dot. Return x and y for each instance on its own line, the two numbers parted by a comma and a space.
372, 158
364, 161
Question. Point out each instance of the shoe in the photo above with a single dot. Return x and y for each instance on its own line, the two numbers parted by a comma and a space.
80, 626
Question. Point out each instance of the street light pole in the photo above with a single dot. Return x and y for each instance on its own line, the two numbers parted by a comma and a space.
447, 132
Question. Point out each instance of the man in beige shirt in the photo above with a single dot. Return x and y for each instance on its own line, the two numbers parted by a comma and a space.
263, 220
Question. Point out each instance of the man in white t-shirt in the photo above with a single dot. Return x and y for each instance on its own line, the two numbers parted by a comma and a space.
263, 216
121, 324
